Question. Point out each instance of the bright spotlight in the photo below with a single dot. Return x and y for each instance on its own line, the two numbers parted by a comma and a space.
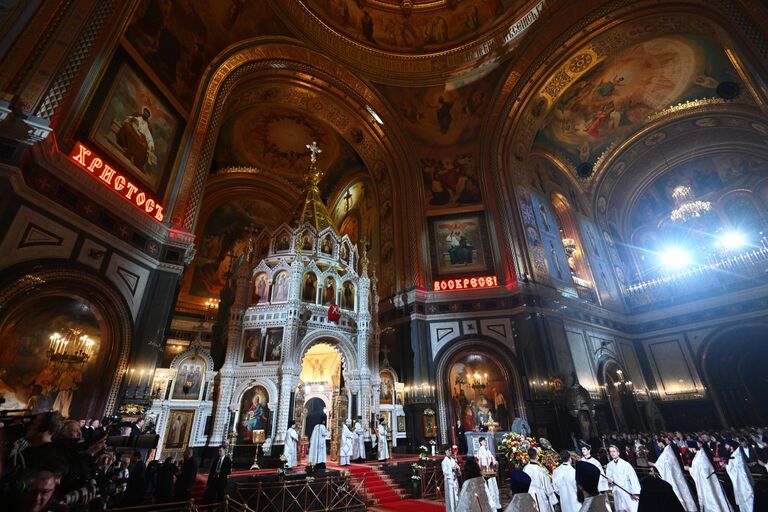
731, 241
675, 258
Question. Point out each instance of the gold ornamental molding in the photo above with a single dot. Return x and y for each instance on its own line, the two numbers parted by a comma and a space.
403, 68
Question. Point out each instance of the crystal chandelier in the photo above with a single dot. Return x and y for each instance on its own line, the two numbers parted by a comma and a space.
71, 347
478, 382
687, 206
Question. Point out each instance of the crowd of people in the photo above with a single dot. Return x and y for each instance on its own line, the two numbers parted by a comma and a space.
70, 465
582, 482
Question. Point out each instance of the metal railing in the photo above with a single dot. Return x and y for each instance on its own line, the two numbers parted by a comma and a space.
306, 495
431, 482
228, 505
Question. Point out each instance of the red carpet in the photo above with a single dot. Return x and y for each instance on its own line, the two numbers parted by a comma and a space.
413, 506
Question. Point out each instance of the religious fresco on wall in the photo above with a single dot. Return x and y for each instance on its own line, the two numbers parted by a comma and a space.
551, 240
179, 38
384, 26
532, 235
309, 288
224, 238
255, 415
274, 139
348, 296
131, 123
356, 213
602, 269
190, 379
615, 97
444, 122
473, 406
459, 245
28, 377
280, 287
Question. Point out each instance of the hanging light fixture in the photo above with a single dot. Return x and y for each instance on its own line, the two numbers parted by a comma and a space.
687, 206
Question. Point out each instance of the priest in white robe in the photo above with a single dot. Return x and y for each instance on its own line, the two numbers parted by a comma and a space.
623, 481
586, 452
358, 450
743, 483
522, 500
317, 453
488, 463
381, 432
291, 446
450, 481
347, 442
587, 479
708, 488
671, 471
474, 491
541, 484
564, 483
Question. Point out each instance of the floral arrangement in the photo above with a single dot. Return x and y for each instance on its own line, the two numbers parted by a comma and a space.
516, 446
309, 468
423, 453
345, 473
549, 459
132, 409
283, 458
416, 467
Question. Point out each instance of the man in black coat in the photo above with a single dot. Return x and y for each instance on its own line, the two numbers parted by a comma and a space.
137, 481
221, 467
164, 481
186, 479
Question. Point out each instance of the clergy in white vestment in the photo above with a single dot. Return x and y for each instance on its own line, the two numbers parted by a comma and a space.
347, 443
541, 483
450, 481
564, 483
671, 471
291, 445
358, 450
317, 454
741, 478
708, 488
586, 452
474, 491
623, 481
488, 463
522, 500
587, 480
381, 431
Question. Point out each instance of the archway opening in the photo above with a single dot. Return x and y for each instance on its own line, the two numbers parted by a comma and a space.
319, 392
621, 398
735, 364
480, 390
54, 347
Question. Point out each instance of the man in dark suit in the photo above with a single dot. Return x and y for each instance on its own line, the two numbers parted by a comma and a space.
221, 467
186, 479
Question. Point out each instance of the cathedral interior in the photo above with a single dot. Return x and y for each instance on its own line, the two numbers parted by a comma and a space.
227, 216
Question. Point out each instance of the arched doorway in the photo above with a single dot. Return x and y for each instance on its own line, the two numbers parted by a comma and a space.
734, 363
321, 385
621, 398
92, 326
316, 413
477, 383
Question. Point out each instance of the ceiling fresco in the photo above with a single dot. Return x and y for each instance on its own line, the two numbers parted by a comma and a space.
275, 138
428, 26
620, 90
178, 38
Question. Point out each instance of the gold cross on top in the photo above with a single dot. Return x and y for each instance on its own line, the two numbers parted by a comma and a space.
315, 150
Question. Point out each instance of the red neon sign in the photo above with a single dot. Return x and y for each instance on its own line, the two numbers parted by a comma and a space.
465, 283
109, 177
